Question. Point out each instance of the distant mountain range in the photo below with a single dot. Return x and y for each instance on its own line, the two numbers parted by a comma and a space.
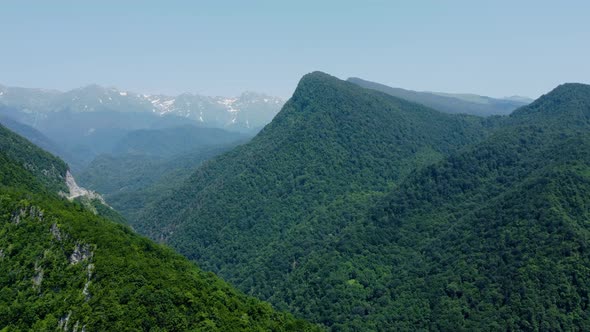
451, 102
246, 112
80, 124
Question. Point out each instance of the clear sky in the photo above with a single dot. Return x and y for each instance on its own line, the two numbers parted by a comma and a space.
495, 48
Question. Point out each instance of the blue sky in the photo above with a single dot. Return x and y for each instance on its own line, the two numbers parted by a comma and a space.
496, 48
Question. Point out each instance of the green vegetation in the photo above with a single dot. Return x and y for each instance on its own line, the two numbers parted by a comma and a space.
48, 169
256, 213
64, 268
496, 237
147, 165
448, 102
172, 142
33, 135
361, 211
353, 209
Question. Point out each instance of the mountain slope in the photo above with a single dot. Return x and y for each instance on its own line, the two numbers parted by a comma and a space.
146, 164
448, 103
173, 141
32, 134
129, 182
494, 237
334, 146
64, 268
49, 170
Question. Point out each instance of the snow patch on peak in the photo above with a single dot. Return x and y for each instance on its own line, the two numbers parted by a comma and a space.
229, 104
161, 104
123, 93
227, 101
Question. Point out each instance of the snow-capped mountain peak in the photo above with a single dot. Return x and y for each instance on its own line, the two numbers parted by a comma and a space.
248, 110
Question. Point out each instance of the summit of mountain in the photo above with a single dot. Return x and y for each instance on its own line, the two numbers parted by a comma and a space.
257, 212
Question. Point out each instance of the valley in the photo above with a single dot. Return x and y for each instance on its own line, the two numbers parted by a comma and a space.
353, 208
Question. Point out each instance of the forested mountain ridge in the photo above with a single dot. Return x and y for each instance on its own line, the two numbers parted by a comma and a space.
493, 237
256, 213
48, 169
64, 268
33, 135
145, 165
496, 237
329, 123
129, 182
566, 104
447, 102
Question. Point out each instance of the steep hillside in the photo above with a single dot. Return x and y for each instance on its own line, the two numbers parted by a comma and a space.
48, 169
32, 134
449, 103
64, 268
495, 238
333, 147
145, 165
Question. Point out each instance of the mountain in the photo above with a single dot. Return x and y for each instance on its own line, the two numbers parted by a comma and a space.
78, 137
146, 165
495, 237
25, 98
450, 103
86, 122
48, 171
63, 267
33, 135
521, 99
174, 141
247, 112
362, 211
251, 214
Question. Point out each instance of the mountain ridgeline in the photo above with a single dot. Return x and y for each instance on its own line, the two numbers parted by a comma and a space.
87, 122
496, 237
242, 113
359, 207
251, 215
48, 170
362, 211
62, 267
450, 103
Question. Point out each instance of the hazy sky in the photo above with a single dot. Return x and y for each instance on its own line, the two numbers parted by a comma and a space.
496, 48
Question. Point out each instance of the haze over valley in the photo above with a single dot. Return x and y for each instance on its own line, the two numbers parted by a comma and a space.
376, 181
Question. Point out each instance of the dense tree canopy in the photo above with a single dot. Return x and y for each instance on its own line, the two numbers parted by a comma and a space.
365, 212
63, 267
260, 213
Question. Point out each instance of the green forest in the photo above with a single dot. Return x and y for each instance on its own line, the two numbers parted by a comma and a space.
362, 211
62, 267
353, 210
